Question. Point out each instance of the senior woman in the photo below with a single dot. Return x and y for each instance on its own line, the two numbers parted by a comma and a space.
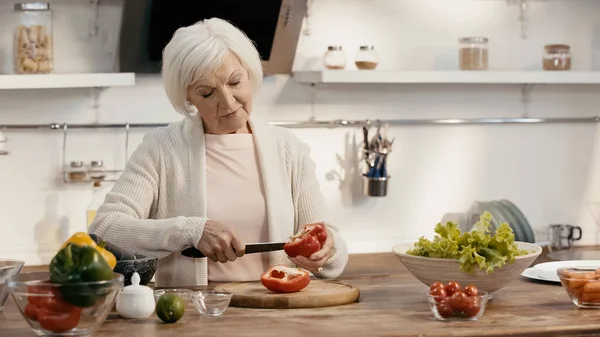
219, 178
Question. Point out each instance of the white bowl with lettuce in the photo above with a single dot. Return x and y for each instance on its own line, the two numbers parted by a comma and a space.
475, 257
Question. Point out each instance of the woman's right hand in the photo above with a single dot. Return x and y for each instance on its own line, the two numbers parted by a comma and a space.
219, 242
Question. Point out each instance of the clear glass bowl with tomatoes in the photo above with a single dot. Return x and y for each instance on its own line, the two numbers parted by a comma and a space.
73, 309
451, 301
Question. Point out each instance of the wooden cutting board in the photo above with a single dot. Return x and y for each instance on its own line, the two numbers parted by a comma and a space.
317, 294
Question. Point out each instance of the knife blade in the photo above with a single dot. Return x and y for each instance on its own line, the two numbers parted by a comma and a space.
250, 248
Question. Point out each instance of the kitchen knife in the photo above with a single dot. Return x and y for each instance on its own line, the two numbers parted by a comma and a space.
250, 248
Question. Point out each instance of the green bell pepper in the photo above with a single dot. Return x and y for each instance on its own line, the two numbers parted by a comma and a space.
74, 265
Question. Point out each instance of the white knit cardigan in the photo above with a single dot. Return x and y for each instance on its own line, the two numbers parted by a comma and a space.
158, 205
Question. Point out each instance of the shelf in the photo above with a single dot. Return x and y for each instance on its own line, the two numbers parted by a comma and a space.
447, 77
54, 81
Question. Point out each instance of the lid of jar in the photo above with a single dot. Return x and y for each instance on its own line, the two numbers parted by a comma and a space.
32, 6
135, 288
366, 48
97, 163
473, 39
557, 47
334, 48
77, 163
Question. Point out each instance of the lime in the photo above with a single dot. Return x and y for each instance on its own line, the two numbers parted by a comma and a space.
170, 308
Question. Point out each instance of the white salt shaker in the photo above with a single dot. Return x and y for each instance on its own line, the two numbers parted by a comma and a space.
135, 300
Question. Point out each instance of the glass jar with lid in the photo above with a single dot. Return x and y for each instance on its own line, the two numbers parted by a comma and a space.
473, 53
335, 58
557, 57
366, 58
33, 41
77, 172
97, 171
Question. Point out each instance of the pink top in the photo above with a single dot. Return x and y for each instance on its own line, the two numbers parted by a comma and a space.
236, 197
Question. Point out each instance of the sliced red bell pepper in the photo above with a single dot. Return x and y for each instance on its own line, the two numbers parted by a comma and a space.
51, 312
309, 240
283, 279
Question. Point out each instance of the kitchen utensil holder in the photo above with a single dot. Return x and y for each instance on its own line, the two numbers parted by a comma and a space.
375, 187
65, 173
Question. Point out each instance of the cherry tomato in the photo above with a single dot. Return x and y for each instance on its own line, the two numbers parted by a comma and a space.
471, 290
445, 309
439, 293
451, 287
436, 285
458, 300
31, 311
472, 306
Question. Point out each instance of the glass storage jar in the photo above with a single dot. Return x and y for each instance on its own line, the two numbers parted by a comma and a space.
557, 57
77, 172
97, 170
366, 58
473, 53
33, 47
334, 58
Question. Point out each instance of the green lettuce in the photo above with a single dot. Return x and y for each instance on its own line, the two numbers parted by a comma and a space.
475, 248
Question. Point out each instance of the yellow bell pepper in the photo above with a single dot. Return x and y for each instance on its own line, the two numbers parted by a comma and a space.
83, 239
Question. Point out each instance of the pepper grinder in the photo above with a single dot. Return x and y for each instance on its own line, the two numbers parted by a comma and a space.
135, 300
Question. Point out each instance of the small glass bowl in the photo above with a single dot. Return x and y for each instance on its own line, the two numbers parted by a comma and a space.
186, 294
582, 284
446, 310
73, 309
212, 303
8, 267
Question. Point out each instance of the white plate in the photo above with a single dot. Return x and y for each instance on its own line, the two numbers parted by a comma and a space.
547, 271
531, 274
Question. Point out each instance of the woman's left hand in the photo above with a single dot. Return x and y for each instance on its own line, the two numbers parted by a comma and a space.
317, 260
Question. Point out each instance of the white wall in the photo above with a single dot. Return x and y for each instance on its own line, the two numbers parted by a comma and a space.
548, 170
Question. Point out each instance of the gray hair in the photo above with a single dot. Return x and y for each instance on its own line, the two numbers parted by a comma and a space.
198, 50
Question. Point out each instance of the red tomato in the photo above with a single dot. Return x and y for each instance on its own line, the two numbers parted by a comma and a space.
37, 290
308, 241
436, 285
439, 293
451, 287
31, 311
283, 279
52, 313
471, 290
458, 300
57, 321
472, 307
445, 309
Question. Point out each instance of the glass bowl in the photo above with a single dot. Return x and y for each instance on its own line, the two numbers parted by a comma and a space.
186, 294
8, 268
469, 308
212, 303
582, 284
74, 309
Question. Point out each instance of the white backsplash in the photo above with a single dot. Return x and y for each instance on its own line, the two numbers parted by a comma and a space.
549, 171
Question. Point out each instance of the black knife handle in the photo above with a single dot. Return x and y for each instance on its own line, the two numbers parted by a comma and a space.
192, 252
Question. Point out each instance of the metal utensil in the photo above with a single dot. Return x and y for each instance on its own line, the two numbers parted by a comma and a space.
250, 248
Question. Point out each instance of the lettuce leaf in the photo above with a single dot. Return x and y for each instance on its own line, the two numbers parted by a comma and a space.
475, 248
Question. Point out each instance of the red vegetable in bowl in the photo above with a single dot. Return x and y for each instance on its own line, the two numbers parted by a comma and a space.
51, 312
453, 300
306, 242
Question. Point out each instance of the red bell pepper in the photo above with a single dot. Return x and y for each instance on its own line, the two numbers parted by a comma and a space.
51, 312
309, 240
283, 279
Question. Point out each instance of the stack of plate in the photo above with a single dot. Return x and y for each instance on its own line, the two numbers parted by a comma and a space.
547, 271
503, 211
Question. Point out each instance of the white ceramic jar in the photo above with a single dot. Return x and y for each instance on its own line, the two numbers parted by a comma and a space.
135, 300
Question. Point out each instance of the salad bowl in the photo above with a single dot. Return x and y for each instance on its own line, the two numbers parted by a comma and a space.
429, 269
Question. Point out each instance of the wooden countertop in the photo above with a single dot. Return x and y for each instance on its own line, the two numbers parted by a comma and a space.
392, 303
